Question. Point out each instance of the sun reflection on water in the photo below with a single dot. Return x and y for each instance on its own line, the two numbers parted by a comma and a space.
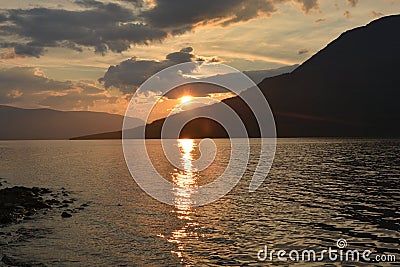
187, 178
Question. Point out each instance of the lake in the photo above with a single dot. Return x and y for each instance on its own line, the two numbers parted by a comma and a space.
318, 191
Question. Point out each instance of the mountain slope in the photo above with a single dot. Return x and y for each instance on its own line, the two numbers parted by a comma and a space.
18, 123
354, 80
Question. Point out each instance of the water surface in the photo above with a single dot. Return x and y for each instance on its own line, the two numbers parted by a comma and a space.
318, 190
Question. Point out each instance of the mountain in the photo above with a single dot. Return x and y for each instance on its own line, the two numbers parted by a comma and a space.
259, 75
349, 88
18, 123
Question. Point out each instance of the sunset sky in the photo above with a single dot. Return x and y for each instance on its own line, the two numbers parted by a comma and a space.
57, 53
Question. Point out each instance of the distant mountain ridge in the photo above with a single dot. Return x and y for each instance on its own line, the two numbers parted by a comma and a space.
259, 75
31, 124
349, 88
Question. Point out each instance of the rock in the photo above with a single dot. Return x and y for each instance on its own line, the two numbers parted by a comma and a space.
66, 214
17, 202
30, 213
8, 260
52, 201
45, 190
20, 203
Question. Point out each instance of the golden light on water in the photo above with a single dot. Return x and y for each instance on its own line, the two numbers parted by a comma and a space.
187, 146
186, 178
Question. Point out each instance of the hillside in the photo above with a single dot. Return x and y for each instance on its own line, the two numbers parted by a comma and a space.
18, 123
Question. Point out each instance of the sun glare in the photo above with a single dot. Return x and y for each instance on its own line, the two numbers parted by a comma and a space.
186, 99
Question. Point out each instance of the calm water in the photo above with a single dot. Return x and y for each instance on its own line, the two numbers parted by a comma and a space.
318, 190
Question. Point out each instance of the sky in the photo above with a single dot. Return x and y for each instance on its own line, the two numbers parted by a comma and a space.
94, 55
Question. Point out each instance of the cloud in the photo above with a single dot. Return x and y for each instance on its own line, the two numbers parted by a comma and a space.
116, 26
28, 79
218, 12
21, 50
103, 26
303, 51
130, 74
347, 14
193, 12
29, 87
352, 3
308, 5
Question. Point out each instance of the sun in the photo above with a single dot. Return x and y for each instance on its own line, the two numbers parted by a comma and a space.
186, 99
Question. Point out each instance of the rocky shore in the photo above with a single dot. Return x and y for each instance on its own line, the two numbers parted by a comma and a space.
19, 203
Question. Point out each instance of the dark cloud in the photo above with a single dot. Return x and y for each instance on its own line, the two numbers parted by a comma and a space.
22, 50
303, 51
103, 27
130, 74
194, 12
28, 50
187, 50
352, 3
115, 26
180, 57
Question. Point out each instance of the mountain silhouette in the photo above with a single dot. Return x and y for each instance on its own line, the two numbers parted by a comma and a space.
42, 124
349, 88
